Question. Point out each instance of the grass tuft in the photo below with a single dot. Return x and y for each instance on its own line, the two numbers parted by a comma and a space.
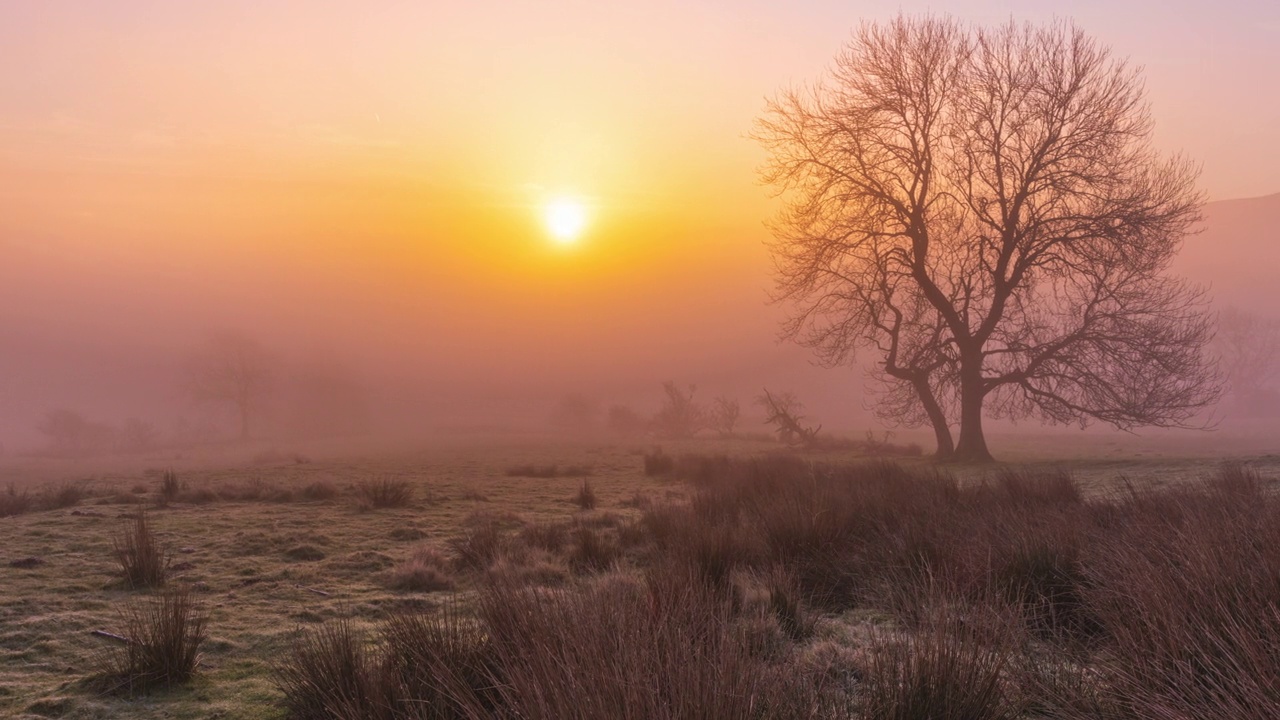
139, 554
384, 492
586, 497
163, 645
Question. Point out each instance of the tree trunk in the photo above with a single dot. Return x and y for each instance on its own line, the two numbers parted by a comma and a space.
244, 422
941, 430
972, 446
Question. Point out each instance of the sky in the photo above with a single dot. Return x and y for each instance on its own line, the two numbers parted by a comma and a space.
363, 182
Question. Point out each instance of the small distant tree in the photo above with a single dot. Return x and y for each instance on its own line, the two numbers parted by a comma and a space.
231, 369
1248, 348
680, 416
623, 420
724, 415
72, 434
137, 435
782, 411
575, 411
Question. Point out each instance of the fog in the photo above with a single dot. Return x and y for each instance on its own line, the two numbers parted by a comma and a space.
357, 191
109, 329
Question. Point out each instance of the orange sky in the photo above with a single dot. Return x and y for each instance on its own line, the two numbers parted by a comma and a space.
367, 177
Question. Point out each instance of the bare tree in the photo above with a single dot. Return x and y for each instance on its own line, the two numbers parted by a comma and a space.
680, 416
724, 415
231, 369
1248, 348
983, 209
782, 411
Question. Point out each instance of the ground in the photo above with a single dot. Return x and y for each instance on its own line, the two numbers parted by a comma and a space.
269, 567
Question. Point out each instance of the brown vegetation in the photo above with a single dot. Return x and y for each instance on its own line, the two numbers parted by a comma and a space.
161, 647
141, 558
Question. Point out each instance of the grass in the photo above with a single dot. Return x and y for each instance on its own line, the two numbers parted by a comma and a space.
138, 552
425, 570
548, 471
13, 502
162, 646
813, 571
384, 492
170, 489
586, 497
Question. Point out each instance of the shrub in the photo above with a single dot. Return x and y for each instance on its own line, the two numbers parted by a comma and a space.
586, 497
139, 554
163, 645
385, 492
170, 488
13, 502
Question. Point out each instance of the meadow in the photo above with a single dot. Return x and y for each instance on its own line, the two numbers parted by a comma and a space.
543, 578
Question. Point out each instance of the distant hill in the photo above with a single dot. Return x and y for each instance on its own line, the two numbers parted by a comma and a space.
1238, 254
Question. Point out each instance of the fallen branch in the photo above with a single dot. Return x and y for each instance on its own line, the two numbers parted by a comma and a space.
112, 636
313, 590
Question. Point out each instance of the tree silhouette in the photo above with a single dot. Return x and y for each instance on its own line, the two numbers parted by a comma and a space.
983, 209
234, 369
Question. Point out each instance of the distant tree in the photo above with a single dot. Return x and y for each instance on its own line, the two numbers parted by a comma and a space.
680, 416
1248, 347
575, 411
782, 411
136, 435
72, 434
983, 210
231, 369
625, 421
724, 414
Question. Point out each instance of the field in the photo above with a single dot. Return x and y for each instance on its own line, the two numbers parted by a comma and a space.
277, 546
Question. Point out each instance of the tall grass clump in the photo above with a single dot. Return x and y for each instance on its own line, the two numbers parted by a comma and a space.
440, 666
947, 670
613, 649
170, 488
63, 497
425, 570
139, 554
384, 492
658, 463
585, 499
331, 673
1188, 595
13, 502
162, 645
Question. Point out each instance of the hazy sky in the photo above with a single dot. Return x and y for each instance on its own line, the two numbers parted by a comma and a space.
366, 179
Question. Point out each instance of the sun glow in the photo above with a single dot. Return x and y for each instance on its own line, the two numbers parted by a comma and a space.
565, 218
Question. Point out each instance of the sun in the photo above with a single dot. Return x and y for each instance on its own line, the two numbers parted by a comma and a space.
565, 218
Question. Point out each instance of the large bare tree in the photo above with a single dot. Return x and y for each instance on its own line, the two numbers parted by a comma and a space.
983, 209
231, 368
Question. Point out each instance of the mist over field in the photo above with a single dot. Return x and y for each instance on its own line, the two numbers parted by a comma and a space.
368, 210
107, 332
